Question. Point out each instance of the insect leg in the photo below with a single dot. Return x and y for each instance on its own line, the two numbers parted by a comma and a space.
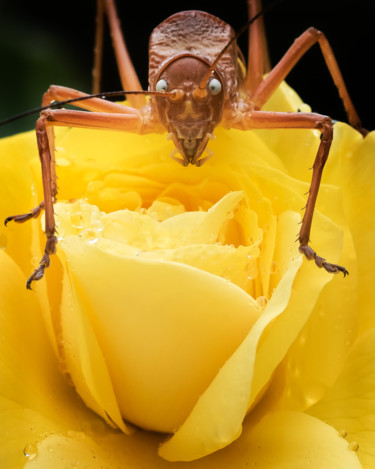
45, 160
61, 93
300, 46
128, 75
258, 60
286, 120
94, 120
98, 48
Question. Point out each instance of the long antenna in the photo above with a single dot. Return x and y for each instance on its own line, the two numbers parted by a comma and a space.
104, 94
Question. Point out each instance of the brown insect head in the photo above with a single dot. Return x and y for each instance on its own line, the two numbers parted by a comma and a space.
195, 108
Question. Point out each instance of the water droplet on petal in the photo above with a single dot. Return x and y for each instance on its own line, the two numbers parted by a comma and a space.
353, 446
30, 451
77, 220
262, 301
343, 433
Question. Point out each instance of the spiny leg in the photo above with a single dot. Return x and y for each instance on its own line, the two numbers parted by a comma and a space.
45, 160
98, 48
258, 61
128, 75
62, 93
286, 120
304, 234
128, 121
297, 50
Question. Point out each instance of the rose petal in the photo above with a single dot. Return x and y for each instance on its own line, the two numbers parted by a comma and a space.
316, 358
85, 363
159, 362
284, 440
17, 196
186, 228
216, 419
34, 396
350, 405
359, 190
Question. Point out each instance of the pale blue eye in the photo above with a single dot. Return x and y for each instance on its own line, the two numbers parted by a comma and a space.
214, 86
161, 85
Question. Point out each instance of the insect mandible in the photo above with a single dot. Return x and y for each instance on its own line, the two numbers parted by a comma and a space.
197, 80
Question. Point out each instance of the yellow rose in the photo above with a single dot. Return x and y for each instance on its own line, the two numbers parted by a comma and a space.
180, 310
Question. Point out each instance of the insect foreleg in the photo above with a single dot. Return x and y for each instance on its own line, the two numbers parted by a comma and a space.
48, 189
300, 46
62, 93
285, 120
129, 122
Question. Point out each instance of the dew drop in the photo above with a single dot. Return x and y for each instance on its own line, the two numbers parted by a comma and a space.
76, 220
353, 446
262, 301
30, 451
343, 433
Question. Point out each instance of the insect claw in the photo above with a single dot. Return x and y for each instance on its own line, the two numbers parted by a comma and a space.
36, 275
310, 254
334, 268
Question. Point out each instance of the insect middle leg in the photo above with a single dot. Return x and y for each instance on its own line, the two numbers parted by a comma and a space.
286, 120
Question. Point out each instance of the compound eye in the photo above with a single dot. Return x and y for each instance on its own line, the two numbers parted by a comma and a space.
214, 86
161, 85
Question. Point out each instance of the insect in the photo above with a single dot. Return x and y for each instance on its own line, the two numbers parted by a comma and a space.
197, 81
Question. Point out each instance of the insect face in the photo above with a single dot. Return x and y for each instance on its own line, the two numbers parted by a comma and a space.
191, 116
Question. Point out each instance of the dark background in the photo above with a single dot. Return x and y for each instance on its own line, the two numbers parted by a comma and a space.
51, 42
